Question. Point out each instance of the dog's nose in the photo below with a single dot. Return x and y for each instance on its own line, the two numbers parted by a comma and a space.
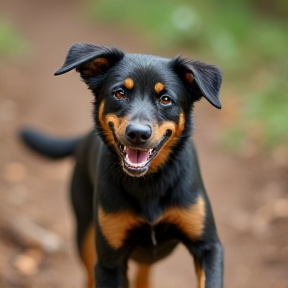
138, 133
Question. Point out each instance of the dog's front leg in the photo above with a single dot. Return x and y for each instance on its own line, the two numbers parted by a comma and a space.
112, 249
111, 267
208, 260
111, 277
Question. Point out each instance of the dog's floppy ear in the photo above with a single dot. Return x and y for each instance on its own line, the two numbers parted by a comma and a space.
200, 78
90, 60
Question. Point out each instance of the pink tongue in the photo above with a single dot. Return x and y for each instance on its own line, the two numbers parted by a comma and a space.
137, 156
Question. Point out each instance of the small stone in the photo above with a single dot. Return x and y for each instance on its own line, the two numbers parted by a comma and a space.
28, 263
26, 231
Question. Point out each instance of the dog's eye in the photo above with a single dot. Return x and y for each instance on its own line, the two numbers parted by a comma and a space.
165, 100
120, 94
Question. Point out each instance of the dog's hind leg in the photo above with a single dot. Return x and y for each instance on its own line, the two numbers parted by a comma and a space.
82, 202
142, 276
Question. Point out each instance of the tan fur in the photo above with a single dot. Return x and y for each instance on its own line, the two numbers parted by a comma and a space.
189, 77
142, 276
159, 132
120, 125
115, 226
107, 131
95, 66
88, 255
129, 83
200, 273
190, 221
159, 87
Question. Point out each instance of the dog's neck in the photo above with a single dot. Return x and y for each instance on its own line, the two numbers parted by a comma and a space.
152, 194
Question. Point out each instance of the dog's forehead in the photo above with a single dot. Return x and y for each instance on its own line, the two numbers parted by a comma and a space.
145, 68
145, 60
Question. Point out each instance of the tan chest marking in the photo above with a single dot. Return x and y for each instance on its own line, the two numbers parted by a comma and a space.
190, 221
115, 226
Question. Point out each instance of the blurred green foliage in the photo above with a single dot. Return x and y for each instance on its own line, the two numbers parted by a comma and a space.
242, 37
12, 43
269, 106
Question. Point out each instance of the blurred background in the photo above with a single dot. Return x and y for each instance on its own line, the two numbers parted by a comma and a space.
242, 148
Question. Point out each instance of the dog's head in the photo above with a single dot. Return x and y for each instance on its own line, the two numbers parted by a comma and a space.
143, 103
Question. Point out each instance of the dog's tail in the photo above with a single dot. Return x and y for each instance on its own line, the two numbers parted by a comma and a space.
55, 148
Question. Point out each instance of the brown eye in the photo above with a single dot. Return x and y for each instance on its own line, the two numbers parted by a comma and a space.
165, 100
120, 94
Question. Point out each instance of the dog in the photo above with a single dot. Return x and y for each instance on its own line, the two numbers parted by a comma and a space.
137, 189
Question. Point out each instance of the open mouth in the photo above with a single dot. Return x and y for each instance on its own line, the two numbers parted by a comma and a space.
137, 158
136, 161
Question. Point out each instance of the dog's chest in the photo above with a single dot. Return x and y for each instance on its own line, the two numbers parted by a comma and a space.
124, 226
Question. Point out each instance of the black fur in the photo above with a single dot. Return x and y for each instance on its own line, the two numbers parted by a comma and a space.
100, 178
48, 146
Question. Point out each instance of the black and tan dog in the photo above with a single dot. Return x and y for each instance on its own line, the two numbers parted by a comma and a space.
137, 190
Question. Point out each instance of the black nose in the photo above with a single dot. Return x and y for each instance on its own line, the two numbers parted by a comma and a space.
138, 133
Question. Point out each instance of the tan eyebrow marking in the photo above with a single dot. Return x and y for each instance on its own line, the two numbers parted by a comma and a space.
129, 83
159, 87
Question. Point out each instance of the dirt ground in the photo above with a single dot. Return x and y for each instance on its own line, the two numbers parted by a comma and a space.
249, 195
